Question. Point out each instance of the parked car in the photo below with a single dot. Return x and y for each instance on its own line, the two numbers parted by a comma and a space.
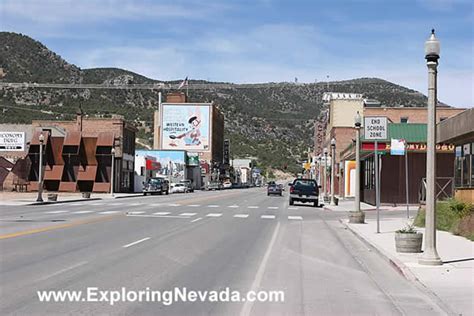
214, 185
178, 188
304, 190
227, 184
188, 184
274, 189
156, 185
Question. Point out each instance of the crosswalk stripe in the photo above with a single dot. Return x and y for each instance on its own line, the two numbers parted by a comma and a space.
233, 206
76, 204
273, 207
187, 214
292, 208
161, 213
56, 212
268, 216
135, 204
174, 204
109, 212
137, 212
83, 212
253, 206
194, 205
115, 204
214, 206
214, 214
295, 217
96, 204
241, 215
156, 204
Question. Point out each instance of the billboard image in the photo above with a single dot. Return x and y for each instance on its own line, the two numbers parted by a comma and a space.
186, 127
165, 163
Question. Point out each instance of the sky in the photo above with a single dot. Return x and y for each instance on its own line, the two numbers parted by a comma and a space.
259, 40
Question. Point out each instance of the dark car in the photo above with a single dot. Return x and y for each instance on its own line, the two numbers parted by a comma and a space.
274, 189
156, 185
304, 190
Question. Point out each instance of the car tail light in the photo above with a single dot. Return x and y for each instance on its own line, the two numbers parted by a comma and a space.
291, 189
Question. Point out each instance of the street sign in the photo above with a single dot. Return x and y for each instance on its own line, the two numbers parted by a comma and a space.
375, 127
12, 141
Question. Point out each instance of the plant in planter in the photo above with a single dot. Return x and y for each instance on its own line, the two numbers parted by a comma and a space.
357, 217
408, 240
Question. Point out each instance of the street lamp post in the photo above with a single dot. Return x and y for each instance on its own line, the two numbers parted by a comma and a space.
333, 169
40, 170
430, 255
357, 124
112, 173
325, 173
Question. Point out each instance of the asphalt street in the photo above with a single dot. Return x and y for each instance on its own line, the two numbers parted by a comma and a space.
237, 239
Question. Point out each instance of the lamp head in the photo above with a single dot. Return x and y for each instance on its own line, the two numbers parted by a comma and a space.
41, 138
357, 120
432, 48
333, 142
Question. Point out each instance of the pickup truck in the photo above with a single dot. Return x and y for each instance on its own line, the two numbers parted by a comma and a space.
304, 190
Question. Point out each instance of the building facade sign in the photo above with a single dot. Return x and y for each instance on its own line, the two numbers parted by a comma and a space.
186, 126
12, 141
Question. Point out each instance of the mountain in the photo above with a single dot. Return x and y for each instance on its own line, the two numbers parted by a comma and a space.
272, 122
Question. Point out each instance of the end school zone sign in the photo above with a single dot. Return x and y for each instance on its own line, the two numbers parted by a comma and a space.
375, 128
12, 141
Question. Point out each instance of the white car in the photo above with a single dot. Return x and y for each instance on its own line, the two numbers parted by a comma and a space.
178, 188
227, 185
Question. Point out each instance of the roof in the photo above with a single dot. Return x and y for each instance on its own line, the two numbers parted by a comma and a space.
457, 128
412, 133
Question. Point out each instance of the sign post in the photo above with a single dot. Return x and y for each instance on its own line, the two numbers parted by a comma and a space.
375, 128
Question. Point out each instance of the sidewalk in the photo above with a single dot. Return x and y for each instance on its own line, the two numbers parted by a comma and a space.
29, 198
451, 285
348, 205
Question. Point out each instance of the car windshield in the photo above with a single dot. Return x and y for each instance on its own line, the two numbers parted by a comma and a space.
303, 182
154, 181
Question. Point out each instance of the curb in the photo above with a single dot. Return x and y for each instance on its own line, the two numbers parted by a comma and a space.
402, 269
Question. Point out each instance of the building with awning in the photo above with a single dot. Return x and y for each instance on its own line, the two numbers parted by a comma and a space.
392, 167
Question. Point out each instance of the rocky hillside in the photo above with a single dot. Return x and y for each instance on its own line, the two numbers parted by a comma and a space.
273, 122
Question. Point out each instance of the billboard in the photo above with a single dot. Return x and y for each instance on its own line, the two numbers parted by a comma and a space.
165, 163
186, 126
12, 141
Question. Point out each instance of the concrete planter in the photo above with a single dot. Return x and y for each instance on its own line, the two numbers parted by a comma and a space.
408, 242
356, 217
52, 197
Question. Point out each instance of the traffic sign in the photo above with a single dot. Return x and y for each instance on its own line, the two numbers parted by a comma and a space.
375, 127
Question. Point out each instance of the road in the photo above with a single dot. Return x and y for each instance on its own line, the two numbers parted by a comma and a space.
236, 239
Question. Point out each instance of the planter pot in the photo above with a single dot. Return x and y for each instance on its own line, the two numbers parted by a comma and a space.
86, 195
52, 197
408, 243
356, 217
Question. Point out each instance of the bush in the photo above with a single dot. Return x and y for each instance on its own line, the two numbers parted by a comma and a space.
453, 216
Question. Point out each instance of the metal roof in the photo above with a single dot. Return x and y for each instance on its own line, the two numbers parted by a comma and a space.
412, 133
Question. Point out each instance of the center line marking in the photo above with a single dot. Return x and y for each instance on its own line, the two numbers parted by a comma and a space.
194, 205
213, 206
136, 242
63, 270
295, 217
214, 214
241, 215
137, 212
197, 219
187, 214
109, 212
56, 212
83, 212
161, 213
268, 216
273, 207
252, 207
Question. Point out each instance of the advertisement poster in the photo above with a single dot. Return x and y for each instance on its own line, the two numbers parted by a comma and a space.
12, 141
397, 147
186, 127
165, 163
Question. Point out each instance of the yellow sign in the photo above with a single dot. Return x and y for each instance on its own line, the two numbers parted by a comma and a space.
307, 165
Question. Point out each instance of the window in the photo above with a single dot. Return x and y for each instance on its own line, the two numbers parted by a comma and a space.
464, 166
404, 120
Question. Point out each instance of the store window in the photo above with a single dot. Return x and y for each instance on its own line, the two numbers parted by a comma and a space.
464, 166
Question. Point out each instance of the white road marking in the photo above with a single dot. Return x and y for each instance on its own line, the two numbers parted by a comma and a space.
115, 204
135, 204
137, 212
83, 212
56, 212
187, 214
214, 214
268, 216
161, 213
273, 207
136, 242
233, 206
194, 205
156, 204
109, 212
295, 217
96, 204
197, 219
241, 215
292, 208
247, 308
63, 270
253, 206
214, 206
174, 204
76, 204
164, 216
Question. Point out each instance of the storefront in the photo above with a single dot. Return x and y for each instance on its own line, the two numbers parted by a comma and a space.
459, 130
392, 167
